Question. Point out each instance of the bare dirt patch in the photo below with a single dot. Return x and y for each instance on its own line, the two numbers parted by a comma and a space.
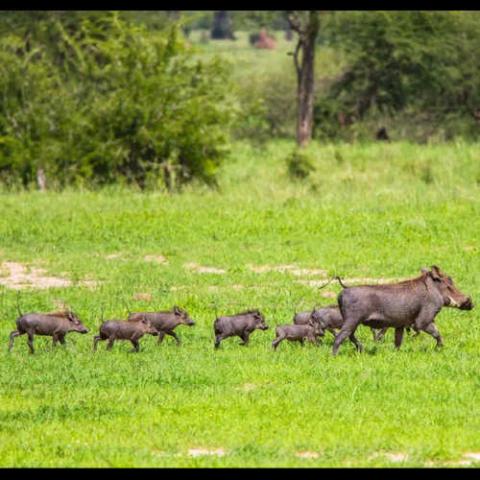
178, 287
293, 269
248, 387
60, 304
328, 294
114, 256
475, 456
198, 452
160, 259
395, 457
18, 276
203, 269
143, 296
91, 284
312, 283
307, 454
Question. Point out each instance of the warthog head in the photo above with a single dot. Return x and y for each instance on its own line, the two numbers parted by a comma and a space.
77, 325
182, 315
452, 296
259, 320
316, 322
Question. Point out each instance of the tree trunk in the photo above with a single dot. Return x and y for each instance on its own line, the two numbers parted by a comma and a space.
41, 180
305, 95
305, 77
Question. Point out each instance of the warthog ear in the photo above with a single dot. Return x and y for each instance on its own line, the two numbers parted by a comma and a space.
425, 270
435, 273
176, 310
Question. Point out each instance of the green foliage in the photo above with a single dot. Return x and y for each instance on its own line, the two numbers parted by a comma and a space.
398, 61
268, 104
300, 163
97, 100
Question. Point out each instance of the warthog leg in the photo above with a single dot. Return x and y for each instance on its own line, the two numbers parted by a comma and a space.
378, 336
136, 345
30, 342
174, 335
58, 337
14, 334
277, 341
218, 339
111, 341
398, 337
348, 330
433, 331
355, 341
96, 339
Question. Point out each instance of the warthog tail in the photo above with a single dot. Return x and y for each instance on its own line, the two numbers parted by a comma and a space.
336, 277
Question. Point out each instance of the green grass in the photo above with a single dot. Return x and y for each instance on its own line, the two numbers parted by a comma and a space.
369, 210
250, 63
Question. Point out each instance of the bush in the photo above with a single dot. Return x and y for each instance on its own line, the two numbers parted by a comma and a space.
300, 163
101, 101
419, 63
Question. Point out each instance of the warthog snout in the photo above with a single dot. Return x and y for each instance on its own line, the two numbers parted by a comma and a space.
467, 304
84, 330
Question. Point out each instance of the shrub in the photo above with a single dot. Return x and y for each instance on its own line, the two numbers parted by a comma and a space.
101, 101
300, 163
399, 62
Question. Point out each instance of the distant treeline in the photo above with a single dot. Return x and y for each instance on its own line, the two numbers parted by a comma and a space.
404, 75
102, 97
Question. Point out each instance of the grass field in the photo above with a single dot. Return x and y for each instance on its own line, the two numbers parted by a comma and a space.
370, 211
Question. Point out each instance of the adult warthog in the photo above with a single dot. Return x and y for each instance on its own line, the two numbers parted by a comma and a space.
411, 303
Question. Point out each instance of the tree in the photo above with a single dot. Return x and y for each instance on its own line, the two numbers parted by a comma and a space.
412, 67
306, 25
92, 100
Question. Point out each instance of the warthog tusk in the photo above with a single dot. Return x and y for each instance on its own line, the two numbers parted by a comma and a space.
453, 303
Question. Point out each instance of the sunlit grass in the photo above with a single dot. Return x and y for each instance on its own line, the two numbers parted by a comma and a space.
369, 210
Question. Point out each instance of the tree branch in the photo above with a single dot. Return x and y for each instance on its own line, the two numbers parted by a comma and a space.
295, 23
298, 68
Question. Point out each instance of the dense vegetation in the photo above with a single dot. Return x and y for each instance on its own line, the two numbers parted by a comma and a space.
94, 99
413, 71
148, 99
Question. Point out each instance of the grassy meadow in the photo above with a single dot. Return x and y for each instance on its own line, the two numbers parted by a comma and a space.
370, 211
